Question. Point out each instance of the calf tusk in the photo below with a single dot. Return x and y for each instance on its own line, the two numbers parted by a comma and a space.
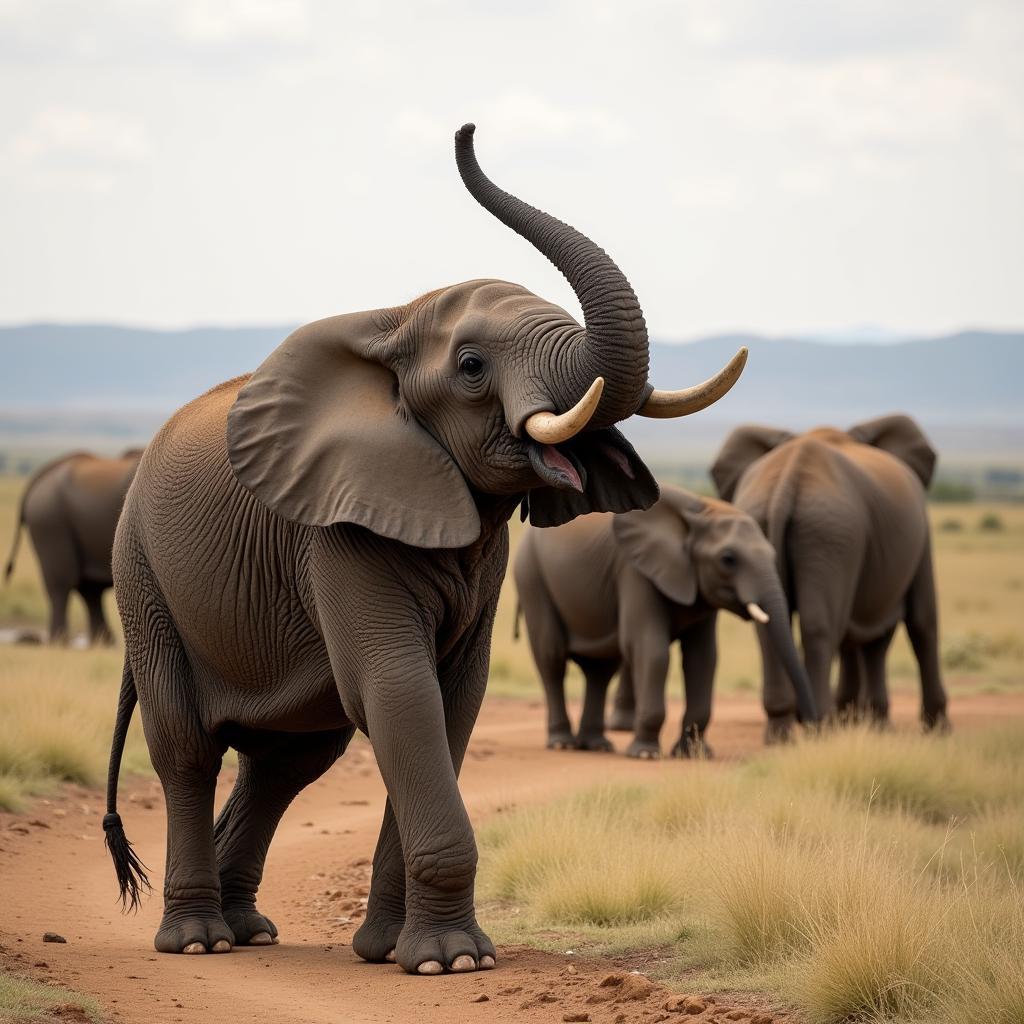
664, 405
757, 613
553, 428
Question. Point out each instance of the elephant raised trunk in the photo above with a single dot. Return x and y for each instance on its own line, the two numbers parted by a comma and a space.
613, 344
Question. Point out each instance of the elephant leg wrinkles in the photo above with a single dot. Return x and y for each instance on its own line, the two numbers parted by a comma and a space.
266, 784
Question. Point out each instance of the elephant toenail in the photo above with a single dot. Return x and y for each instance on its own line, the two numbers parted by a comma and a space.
222, 946
486, 962
430, 967
262, 939
194, 947
390, 957
463, 963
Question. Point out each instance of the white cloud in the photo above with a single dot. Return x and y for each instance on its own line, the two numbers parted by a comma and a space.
216, 21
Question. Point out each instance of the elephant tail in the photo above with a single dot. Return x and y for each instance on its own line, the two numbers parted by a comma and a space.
515, 621
131, 872
14, 548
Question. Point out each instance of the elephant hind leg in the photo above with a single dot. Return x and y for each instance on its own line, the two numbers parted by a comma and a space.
92, 594
58, 561
851, 694
268, 780
624, 709
550, 654
922, 622
876, 688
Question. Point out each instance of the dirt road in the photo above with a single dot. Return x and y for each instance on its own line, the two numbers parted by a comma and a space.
55, 876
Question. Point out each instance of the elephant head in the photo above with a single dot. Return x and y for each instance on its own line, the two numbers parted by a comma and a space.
691, 547
402, 419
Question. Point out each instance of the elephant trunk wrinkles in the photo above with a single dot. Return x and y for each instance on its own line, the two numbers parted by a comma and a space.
614, 343
780, 631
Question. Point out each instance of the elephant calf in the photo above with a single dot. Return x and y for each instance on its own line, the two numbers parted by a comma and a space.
70, 507
609, 591
846, 513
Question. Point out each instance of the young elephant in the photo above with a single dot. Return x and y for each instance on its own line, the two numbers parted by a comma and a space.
70, 507
607, 590
846, 513
319, 547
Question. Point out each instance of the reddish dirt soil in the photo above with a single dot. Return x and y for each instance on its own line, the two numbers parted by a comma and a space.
55, 876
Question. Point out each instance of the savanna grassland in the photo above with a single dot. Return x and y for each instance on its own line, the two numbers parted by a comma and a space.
863, 876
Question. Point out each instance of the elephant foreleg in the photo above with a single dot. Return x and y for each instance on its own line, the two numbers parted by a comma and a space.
776, 693
267, 783
420, 910
700, 659
598, 674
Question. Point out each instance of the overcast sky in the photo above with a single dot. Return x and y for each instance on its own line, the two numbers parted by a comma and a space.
784, 166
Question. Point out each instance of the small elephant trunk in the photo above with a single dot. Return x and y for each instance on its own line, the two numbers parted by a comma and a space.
614, 344
780, 632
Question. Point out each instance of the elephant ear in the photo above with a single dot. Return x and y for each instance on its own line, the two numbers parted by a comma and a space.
742, 447
900, 436
319, 435
656, 542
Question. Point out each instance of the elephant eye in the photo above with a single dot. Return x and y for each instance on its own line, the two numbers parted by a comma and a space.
471, 366
728, 560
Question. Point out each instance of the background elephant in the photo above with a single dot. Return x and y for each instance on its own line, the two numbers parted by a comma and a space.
846, 514
320, 547
607, 589
70, 507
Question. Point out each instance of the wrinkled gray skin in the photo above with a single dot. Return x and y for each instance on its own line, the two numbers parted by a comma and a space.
608, 591
70, 508
846, 513
319, 548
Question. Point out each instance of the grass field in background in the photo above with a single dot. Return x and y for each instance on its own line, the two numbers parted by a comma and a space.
872, 877
57, 706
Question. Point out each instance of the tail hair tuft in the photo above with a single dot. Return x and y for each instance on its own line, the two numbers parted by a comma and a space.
131, 872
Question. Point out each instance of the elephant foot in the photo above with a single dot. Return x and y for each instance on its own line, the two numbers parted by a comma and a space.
377, 937
644, 750
597, 743
192, 930
561, 741
936, 722
434, 948
692, 748
621, 720
778, 731
250, 927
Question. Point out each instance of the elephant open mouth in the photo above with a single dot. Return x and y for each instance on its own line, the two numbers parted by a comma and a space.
557, 468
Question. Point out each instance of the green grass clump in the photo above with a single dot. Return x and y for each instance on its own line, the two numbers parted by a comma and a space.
863, 876
23, 1000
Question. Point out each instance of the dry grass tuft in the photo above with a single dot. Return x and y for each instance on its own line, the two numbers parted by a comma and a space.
865, 876
56, 719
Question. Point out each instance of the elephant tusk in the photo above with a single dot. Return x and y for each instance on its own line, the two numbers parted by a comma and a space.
757, 613
664, 405
553, 428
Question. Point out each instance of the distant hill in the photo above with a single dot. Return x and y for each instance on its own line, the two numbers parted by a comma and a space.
95, 381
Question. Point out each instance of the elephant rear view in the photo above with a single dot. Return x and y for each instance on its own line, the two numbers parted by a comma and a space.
846, 513
608, 591
71, 507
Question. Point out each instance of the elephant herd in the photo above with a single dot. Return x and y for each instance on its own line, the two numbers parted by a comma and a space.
318, 547
829, 525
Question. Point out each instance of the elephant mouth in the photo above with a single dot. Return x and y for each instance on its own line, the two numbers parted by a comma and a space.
557, 467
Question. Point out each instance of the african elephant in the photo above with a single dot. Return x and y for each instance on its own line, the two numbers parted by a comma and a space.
70, 507
606, 590
318, 547
846, 514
